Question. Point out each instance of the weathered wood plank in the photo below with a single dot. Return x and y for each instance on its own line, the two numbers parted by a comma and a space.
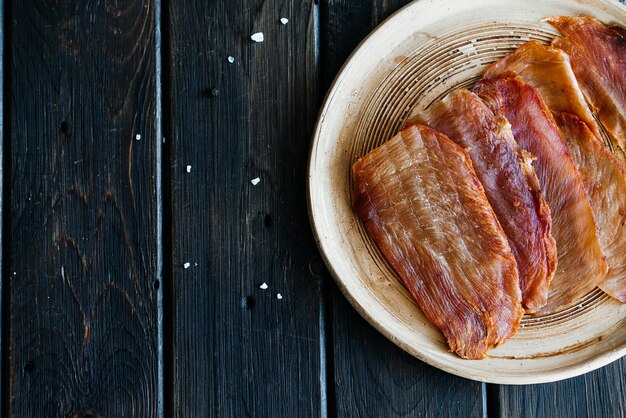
83, 309
375, 378
372, 376
238, 349
601, 393
3, 207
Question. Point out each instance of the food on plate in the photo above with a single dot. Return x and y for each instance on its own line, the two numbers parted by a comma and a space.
503, 198
421, 202
598, 56
581, 264
510, 184
548, 69
604, 177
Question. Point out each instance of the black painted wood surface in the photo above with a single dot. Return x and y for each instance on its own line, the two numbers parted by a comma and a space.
81, 223
81, 214
239, 350
601, 393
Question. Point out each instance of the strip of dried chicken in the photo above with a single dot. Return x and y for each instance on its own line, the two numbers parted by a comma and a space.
510, 183
581, 264
604, 177
422, 203
598, 56
548, 69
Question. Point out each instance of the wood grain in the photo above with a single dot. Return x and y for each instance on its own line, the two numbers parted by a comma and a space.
601, 393
345, 24
375, 378
238, 350
83, 323
372, 376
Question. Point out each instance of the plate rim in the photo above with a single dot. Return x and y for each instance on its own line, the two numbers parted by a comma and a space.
565, 372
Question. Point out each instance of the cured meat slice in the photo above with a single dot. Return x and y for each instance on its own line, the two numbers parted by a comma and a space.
420, 200
598, 55
581, 265
604, 177
510, 184
548, 70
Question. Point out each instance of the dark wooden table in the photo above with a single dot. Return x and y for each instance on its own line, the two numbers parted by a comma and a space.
134, 243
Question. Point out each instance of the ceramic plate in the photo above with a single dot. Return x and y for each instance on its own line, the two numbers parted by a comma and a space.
417, 56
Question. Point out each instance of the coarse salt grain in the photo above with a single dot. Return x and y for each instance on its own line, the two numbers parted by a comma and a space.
255, 181
258, 37
137, 137
186, 265
189, 169
279, 296
284, 20
231, 59
263, 286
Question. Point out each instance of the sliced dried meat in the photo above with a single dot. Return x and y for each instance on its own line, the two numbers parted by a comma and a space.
423, 205
604, 177
548, 70
510, 184
598, 56
581, 264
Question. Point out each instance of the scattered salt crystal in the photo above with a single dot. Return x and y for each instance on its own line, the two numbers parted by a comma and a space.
189, 169
263, 286
279, 296
231, 59
137, 137
255, 181
186, 265
258, 37
284, 20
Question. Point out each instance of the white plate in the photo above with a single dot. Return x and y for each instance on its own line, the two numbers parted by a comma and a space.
418, 55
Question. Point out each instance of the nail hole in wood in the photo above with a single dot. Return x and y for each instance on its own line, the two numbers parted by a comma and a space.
65, 127
316, 267
267, 220
212, 92
156, 284
247, 302
29, 367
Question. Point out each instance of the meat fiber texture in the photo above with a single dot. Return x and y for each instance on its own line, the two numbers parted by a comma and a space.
598, 56
549, 70
581, 264
420, 200
604, 177
511, 186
